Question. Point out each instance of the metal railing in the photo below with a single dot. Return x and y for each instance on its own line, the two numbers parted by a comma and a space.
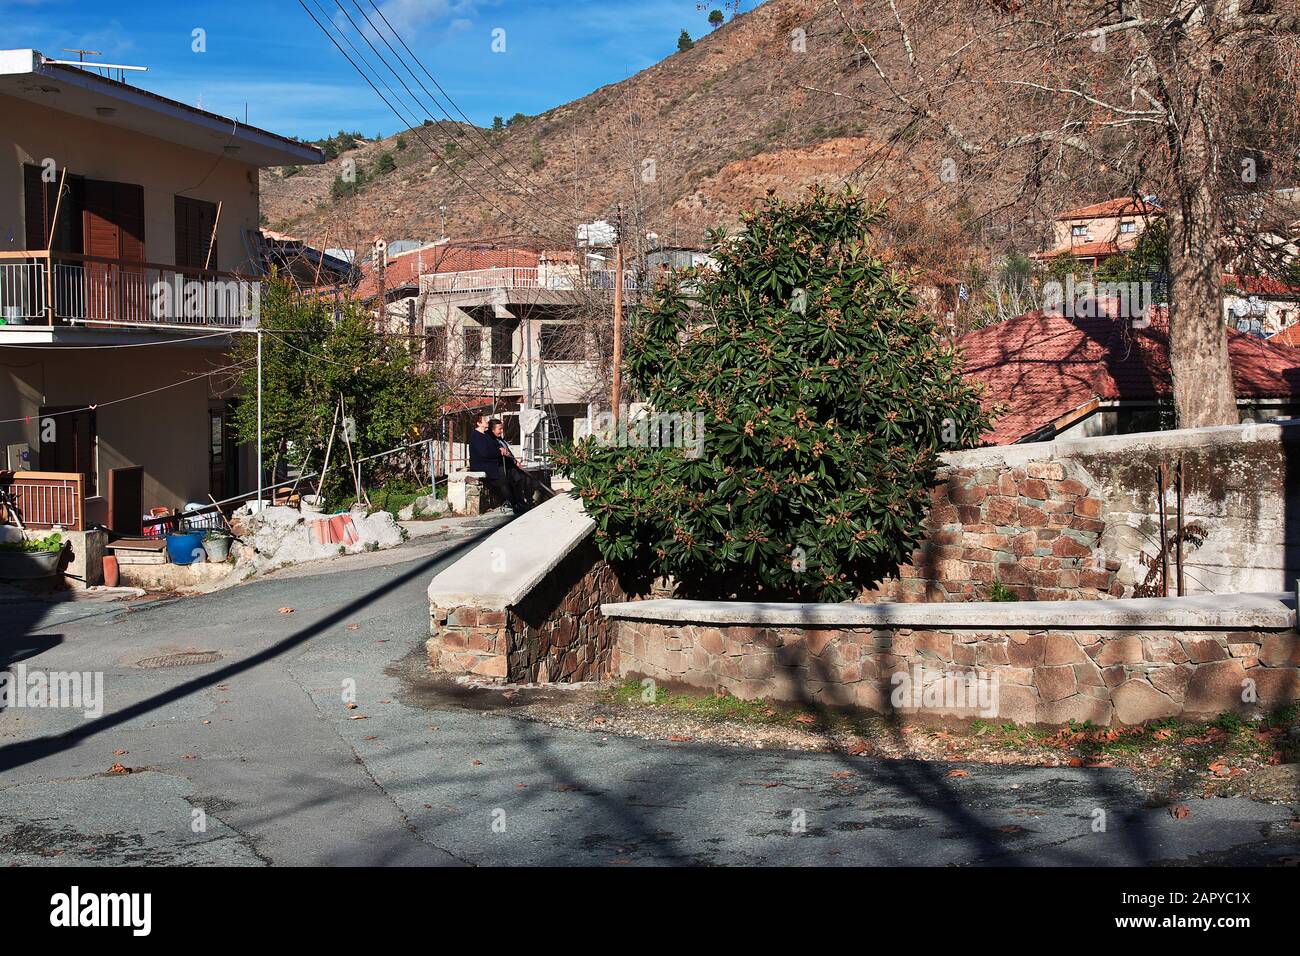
46, 499
39, 288
487, 280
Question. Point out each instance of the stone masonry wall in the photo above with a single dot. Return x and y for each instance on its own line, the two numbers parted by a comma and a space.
556, 633
1035, 529
1107, 676
1074, 519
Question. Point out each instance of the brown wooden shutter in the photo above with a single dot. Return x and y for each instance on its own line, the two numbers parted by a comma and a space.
128, 203
99, 219
36, 207
195, 220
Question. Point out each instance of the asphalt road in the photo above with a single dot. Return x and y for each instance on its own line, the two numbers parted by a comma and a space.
255, 759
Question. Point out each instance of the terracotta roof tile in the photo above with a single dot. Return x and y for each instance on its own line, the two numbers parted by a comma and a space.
1121, 206
1041, 367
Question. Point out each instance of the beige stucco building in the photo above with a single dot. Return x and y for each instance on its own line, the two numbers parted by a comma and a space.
128, 265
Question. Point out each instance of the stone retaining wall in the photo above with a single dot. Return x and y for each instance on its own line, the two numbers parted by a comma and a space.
1046, 674
1080, 518
556, 633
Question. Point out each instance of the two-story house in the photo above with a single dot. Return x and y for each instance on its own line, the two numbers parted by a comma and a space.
1091, 234
128, 265
510, 329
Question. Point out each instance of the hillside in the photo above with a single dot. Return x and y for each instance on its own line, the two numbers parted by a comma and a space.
723, 123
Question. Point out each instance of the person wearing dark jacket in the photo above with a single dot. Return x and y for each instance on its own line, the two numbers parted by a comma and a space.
485, 455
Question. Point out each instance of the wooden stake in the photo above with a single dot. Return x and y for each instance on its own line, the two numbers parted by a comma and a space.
212, 240
49, 248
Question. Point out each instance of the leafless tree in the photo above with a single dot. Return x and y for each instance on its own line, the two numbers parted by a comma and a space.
1192, 101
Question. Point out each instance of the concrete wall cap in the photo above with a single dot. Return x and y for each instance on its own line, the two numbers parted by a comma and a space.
1235, 611
506, 566
1210, 437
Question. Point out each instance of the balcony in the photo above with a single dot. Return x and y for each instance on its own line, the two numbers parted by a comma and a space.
68, 289
552, 278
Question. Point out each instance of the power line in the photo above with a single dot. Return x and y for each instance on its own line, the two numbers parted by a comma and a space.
365, 76
472, 125
129, 345
127, 398
534, 204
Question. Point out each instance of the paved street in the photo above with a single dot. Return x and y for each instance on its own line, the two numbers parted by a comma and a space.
262, 743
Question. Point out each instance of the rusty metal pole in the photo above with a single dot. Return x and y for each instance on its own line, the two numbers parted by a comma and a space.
1178, 529
616, 392
1164, 532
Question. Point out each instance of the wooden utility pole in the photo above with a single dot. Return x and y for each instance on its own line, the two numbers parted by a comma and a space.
616, 391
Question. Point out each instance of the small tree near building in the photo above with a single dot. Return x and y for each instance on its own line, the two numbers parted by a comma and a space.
826, 395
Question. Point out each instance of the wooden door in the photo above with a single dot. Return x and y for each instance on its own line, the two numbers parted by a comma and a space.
113, 228
126, 500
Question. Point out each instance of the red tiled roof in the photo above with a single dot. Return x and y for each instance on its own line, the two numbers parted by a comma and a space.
1262, 285
405, 269
1042, 367
1122, 206
1289, 336
1085, 250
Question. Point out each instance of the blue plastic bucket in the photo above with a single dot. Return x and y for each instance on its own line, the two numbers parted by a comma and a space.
185, 547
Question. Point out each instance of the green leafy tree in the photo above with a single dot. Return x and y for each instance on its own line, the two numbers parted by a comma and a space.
312, 360
385, 163
498, 123
401, 142
716, 18
684, 42
827, 395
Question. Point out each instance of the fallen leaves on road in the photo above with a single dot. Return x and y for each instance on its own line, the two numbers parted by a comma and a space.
805, 719
842, 774
1179, 811
120, 753
358, 717
352, 706
477, 763
119, 769
679, 738
958, 773
354, 627
286, 610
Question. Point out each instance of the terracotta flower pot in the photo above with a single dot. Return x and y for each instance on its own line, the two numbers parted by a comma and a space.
111, 573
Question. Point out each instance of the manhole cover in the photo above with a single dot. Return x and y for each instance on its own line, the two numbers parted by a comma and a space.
184, 659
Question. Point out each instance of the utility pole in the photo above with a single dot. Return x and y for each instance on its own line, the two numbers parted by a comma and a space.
616, 395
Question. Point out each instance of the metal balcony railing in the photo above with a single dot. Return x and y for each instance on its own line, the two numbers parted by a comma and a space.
39, 288
45, 499
488, 280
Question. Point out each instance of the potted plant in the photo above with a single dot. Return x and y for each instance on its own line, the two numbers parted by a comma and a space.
32, 559
216, 545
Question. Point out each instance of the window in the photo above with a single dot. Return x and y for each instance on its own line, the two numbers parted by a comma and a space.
435, 346
473, 344
40, 198
1079, 232
553, 342
1128, 227
68, 442
195, 221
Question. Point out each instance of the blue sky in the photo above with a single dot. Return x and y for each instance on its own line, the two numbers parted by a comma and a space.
269, 54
